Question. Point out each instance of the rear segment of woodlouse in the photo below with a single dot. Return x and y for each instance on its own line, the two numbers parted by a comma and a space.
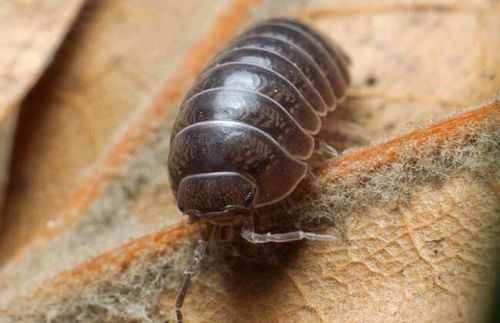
246, 129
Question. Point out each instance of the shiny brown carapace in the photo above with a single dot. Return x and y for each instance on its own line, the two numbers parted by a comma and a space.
246, 129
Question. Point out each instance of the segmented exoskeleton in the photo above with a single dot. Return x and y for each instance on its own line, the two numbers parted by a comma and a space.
245, 130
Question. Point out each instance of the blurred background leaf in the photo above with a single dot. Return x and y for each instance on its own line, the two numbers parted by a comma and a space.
30, 35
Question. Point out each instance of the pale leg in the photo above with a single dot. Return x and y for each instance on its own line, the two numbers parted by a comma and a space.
327, 150
248, 233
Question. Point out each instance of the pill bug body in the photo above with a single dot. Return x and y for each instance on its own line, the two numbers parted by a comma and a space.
245, 131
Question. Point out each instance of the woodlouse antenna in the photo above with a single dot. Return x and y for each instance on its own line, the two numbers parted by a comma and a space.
199, 253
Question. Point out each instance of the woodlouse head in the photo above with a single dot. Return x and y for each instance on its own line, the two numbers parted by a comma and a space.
217, 197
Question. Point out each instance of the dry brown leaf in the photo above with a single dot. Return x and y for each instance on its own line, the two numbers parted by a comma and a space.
420, 232
30, 34
422, 222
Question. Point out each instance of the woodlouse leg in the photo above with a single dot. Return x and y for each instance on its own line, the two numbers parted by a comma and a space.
248, 233
254, 237
314, 181
199, 253
327, 150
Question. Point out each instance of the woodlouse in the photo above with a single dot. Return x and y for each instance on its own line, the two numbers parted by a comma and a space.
245, 131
